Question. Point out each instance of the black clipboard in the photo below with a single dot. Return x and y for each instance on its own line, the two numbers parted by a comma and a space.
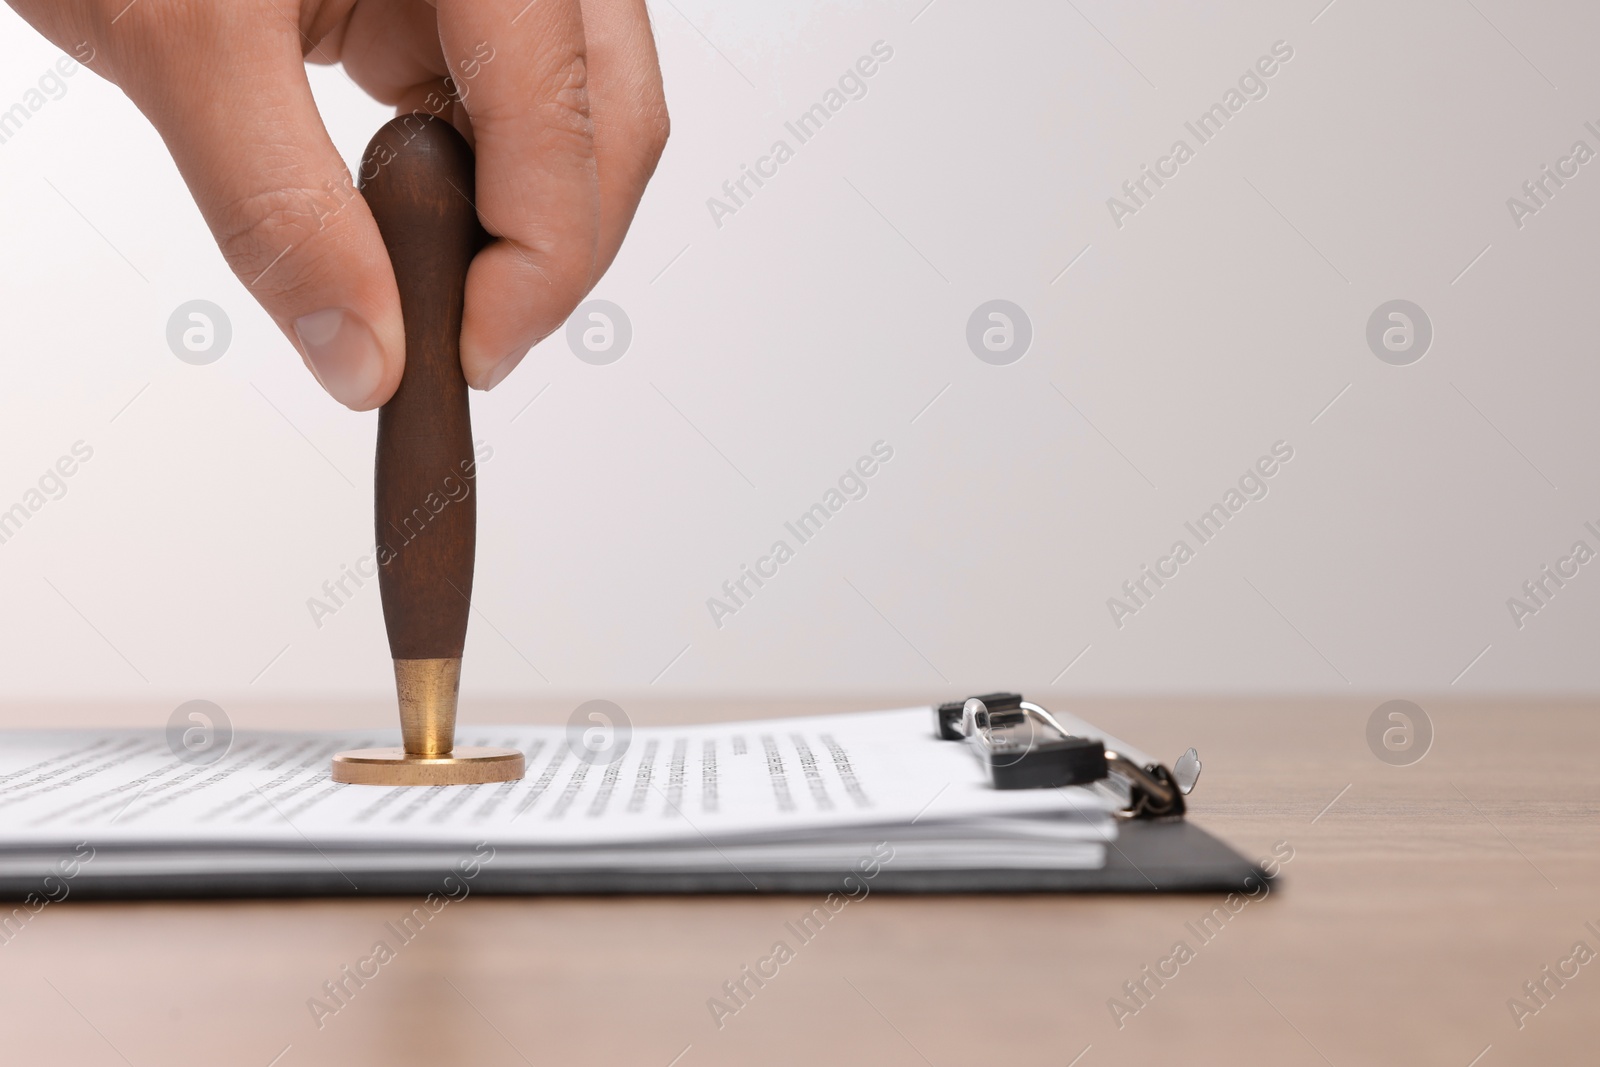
1156, 849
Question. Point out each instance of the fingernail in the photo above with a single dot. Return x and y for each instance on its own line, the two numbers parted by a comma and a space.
343, 353
499, 372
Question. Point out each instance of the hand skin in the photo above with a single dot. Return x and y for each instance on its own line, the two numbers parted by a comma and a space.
562, 99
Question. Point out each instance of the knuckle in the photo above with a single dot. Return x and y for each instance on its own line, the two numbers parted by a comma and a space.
256, 233
662, 127
568, 85
635, 143
563, 108
653, 128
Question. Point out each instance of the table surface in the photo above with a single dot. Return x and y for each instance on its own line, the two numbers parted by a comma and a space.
1418, 902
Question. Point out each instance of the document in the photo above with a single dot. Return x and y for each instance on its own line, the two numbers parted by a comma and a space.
813, 793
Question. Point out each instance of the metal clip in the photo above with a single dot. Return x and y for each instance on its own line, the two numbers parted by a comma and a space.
1153, 791
1024, 746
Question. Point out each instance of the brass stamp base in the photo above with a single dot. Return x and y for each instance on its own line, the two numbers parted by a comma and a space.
461, 766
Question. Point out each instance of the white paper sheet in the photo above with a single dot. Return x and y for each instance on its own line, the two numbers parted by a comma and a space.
779, 792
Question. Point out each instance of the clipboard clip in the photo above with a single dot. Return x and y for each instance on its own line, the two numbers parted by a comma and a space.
1023, 746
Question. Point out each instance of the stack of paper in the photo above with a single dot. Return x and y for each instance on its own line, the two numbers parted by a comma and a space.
824, 794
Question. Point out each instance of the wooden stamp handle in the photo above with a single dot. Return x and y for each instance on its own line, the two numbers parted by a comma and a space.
417, 177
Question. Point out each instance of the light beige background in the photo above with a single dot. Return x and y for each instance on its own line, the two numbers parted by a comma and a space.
768, 353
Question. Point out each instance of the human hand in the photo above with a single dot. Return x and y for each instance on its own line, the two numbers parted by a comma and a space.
562, 99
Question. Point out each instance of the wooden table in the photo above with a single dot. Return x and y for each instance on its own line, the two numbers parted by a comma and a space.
1418, 901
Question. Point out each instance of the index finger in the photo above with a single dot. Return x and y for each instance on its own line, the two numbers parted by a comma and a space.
538, 190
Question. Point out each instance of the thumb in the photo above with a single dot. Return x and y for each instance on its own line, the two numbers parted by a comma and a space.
252, 148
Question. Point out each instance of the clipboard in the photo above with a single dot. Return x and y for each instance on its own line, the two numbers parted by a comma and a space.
1138, 813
